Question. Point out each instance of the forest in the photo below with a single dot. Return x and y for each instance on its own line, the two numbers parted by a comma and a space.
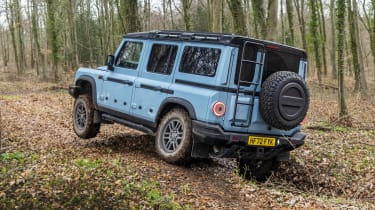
53, 38
44, 165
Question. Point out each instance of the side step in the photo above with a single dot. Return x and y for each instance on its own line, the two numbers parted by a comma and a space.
136, 126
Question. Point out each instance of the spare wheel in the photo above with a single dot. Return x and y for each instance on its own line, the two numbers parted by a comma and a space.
284, 100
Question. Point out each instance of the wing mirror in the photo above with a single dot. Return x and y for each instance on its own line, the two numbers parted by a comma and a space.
109, 62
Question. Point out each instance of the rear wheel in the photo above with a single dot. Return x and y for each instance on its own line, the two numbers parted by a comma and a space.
83, 117
257, 169
173, 139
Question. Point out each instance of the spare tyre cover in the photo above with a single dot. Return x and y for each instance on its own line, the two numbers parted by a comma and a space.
284, 100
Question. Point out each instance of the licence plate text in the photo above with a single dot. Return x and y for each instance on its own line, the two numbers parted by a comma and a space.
261, 141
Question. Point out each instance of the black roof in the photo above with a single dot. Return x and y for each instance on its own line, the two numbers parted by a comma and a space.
217, 38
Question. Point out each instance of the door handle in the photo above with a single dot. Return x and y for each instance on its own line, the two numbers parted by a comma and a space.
157, 88
125, 82
150, 87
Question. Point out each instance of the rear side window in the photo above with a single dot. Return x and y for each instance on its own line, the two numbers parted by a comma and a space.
200, 60
162, 58
248, 65
129, 55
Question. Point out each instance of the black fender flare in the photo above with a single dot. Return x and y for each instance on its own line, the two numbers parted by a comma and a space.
91, 80
179, 101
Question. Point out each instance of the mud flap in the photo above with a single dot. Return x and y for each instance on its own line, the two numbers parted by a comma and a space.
97, 117
199, 150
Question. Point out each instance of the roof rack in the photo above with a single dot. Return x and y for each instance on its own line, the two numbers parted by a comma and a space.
184, 35
209, 37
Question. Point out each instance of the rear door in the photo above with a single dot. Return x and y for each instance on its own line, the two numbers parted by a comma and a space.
153, 85
246, 85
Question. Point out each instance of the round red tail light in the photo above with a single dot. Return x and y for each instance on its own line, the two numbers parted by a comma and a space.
218, 109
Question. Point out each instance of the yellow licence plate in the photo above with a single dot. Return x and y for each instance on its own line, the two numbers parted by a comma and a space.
261, 141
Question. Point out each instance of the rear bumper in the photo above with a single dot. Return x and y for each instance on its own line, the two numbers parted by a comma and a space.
215, 135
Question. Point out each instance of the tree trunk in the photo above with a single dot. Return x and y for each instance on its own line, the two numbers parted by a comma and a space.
146, 15
4, 46
283, 33
323, 36
71, 13
360, 83
129, 12
32, 45
259, 18
272, 20
52, 36
340, 27
186, 6
248, 18
171, 13
21, 44
10, 20
314, 34
34, 29
215, 15
300, 8
289, 10
362, 75
333, 43
372, 33
238, 15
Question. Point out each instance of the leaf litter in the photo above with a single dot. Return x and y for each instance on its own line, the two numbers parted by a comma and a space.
44, 165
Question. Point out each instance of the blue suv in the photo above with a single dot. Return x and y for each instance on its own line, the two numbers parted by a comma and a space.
201, 95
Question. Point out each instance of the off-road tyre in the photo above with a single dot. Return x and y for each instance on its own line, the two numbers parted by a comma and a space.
284, 100
173, 140
83, 117
259, 170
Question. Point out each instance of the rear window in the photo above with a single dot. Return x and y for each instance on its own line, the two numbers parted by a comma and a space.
274, 61
280, 61
200, 60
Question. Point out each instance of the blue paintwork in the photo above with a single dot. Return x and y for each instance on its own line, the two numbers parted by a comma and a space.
144, 103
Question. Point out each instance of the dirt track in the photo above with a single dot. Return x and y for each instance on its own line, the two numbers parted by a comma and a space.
51, 166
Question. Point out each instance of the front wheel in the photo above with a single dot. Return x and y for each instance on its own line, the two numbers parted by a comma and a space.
173, 139
257, 169
83, 117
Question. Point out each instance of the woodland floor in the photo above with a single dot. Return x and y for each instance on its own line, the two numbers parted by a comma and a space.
44, 165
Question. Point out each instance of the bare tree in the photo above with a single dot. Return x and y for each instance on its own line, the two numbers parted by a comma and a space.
333, 42
215, 8
238, 15
272, 20
289, 9
360, 82
340, 28
315, 36
52, 33
4, 46
300, 8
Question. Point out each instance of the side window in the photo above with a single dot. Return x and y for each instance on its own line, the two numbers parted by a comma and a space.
200, 60
249, 66
129, 55
162, 58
